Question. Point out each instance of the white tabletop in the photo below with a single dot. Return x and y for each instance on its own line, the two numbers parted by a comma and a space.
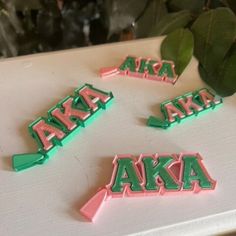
45, 200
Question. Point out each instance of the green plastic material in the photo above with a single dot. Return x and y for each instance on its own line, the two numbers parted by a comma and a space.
193, 172
147, 65
24, 161
153, 171
166, 70
156, 122
27, 160
129, 64
126, 174
165, 123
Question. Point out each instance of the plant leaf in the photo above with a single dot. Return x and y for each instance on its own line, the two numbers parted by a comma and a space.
195, 6
178, 47
215, 4
171, 22
210, 80
223, 81
214, 33
231, 4
156, 9
227, 73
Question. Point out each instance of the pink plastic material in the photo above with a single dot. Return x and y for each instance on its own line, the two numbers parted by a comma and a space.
127, 191
41, 127
208, 98
64, 117
172, 112
112, 71
188, 103
109, 71
196, 188
92, 96
91, 208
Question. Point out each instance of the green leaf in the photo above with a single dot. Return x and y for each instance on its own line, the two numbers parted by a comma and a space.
223, 80
214, 4
214, 32
155, 10
231, 4
195, 6
228, 80
210, 80
171, 22
227, 72
178, 47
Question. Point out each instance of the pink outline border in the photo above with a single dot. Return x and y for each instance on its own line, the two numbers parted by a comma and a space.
196, 188
90, 209
126, 191
112, 71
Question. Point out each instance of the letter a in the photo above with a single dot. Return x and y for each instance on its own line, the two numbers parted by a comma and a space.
129, 64
171, 112
94, 98
45, 133
125, 173
192, 171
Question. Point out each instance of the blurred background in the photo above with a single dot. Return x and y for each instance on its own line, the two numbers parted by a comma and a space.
32, 26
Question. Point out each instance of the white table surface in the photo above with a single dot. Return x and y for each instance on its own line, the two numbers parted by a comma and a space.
45, 200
